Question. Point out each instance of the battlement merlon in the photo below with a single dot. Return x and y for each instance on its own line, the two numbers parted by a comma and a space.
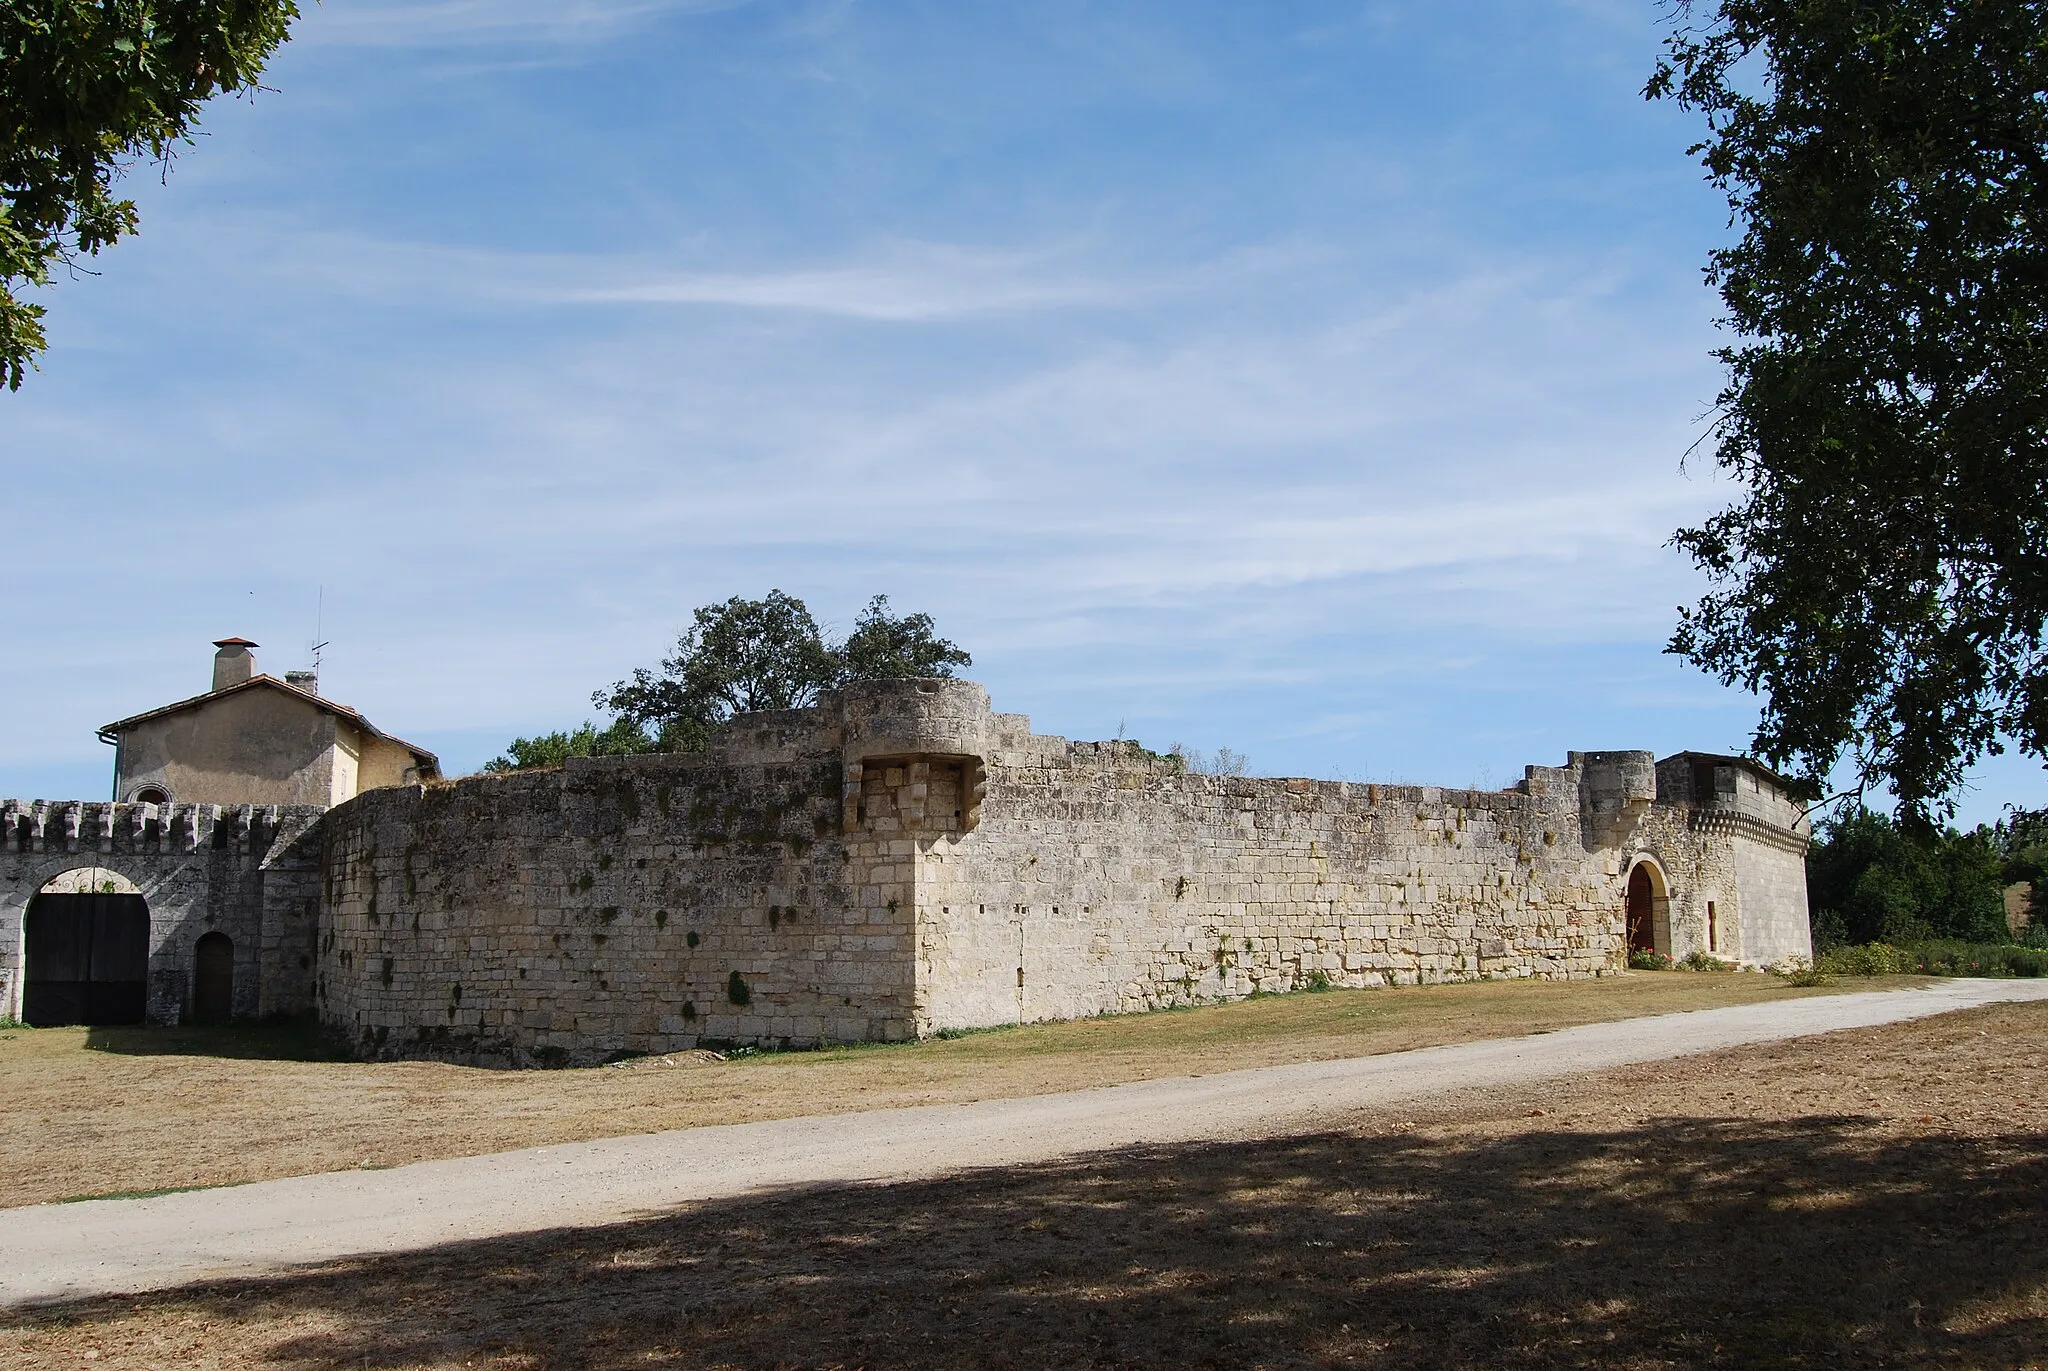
106, 827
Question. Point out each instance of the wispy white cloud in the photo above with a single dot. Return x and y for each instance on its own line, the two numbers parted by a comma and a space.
1221, 485
953, 289
893, 281
1487, 443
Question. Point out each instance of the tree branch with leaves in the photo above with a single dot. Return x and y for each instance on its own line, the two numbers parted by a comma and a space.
87, 88
1883, 583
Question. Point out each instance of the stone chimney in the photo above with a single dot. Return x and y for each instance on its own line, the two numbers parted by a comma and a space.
234, 663
308, 681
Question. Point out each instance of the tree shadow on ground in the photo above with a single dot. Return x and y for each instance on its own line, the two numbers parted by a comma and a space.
1823, 1242
296, 1039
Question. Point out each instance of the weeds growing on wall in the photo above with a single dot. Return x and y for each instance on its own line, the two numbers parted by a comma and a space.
1703, 961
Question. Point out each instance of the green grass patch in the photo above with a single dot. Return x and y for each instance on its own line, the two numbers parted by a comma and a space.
1347, 1019
148, 1194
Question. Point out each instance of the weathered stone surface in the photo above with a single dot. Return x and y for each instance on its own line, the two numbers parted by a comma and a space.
900, 860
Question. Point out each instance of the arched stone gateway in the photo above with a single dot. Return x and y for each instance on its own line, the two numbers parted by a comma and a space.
248, 873
86, 951
213, 979
1649, 910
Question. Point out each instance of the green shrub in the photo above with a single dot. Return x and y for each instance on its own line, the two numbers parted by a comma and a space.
1872, 959
1642, 959
1945, 957
1936, 957
1802, 973
1703, 961
623, 738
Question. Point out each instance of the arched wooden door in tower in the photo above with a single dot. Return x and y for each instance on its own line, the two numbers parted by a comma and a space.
213, 979
1642, 911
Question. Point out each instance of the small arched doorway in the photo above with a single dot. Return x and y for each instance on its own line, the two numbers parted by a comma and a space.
213, 979
1648, 906
86, 953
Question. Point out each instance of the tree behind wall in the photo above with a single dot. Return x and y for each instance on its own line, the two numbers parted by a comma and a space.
622, 739
739, 657
747, 655
1871, 879
883, 647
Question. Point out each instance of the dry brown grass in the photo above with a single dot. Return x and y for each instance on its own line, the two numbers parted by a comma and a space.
100, 1111
1868, 1199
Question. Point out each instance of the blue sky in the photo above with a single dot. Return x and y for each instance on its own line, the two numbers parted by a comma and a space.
1307, 378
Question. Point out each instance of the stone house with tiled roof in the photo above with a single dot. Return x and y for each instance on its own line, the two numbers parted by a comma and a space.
255, 739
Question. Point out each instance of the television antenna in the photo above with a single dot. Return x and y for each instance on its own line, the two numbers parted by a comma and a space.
319, 644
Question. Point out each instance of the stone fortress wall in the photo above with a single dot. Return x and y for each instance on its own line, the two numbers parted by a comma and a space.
900, 859
638, 904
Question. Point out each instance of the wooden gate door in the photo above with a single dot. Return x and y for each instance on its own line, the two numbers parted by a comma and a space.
213, 979
87, 960
1642, 911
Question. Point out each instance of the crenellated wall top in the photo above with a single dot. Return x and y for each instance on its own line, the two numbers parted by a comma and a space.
104, 826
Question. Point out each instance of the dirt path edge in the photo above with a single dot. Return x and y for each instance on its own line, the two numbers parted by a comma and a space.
54, 1252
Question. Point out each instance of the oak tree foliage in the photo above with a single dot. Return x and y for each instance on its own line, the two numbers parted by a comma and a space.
622, 738
885, 647
87, 89
747, 655
736, 657
1870, 879
739, 657
1884, 579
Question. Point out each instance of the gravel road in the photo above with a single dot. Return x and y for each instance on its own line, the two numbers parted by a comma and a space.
60, 1251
